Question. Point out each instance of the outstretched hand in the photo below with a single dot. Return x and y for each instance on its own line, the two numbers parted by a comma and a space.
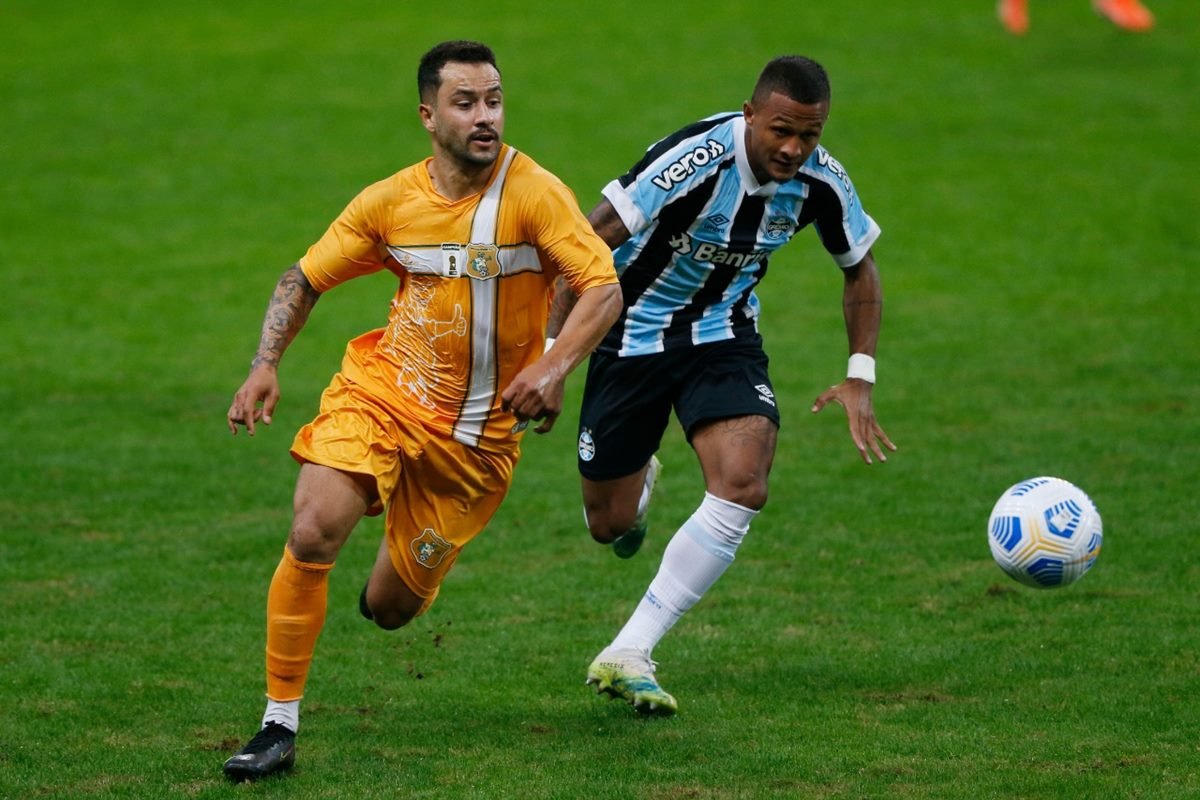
261, 386
854, 395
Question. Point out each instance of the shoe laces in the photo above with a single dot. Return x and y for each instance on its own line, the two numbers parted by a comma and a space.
271, 734
637, 655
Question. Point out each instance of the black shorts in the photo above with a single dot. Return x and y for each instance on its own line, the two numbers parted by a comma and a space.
627, 402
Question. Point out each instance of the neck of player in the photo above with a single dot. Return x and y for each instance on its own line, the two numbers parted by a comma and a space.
455, 180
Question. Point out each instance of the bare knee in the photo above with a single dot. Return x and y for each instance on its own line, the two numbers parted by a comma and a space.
751, 494
390, 604
611, 506
754, 498
747, 487
391, 619
735, 456
326, 507
311, 541
606, 525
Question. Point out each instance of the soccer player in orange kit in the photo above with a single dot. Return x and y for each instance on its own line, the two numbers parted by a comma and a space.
424, 420
1128, 14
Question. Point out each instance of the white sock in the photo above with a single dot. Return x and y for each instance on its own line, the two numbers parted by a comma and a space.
286, 714
697, 555
644, 498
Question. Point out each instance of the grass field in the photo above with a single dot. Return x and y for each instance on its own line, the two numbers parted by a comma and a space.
160, 165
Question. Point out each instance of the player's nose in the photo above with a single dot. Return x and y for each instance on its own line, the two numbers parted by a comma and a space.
791, 148
486, 114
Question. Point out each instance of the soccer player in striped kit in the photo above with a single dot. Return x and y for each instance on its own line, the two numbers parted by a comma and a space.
424, 420
692, 225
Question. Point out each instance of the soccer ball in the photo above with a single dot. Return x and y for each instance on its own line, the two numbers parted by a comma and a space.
1045, 532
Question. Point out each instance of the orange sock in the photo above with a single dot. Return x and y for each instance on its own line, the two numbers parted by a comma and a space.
295, 615
1128, 14
1014, 14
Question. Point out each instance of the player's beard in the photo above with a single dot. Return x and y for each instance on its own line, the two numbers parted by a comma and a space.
472, 158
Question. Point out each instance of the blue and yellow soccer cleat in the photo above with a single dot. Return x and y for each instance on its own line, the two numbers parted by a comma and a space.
628, 543
629, 674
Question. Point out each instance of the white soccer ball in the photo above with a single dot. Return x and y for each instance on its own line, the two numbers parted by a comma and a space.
1045, 532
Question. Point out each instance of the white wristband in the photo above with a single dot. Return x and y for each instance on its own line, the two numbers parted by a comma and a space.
549, 344
861, 366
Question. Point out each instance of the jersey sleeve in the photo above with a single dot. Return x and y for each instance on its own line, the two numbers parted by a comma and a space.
671, 168
639, 196
632, 215
564, 235
349, 248
833, 207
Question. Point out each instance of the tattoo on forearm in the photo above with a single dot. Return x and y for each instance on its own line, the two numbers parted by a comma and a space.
607, 224
560, 307
287, 312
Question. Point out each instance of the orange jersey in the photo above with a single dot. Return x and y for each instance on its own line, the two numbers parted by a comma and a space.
475, 279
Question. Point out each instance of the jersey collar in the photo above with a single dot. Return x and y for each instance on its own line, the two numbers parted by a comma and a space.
753, 187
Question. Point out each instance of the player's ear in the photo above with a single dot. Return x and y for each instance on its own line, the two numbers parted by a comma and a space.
748, 111
425, 111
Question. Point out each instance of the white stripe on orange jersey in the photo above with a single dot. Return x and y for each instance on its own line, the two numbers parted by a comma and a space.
482, 387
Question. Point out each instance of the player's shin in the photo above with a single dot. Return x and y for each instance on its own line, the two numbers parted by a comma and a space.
697, 555
296, 605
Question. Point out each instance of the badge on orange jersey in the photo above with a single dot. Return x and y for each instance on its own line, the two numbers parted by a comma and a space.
429, 548
452, 260
483, 261
478, 261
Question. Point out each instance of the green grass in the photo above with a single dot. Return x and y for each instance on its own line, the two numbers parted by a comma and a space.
160, 166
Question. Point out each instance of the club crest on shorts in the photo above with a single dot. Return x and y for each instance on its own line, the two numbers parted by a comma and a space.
429, 548
483, 261
587, 446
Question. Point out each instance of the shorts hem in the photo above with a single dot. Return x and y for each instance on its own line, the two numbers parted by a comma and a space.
608, 475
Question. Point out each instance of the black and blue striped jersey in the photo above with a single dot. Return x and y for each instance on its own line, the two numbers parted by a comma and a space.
703, 227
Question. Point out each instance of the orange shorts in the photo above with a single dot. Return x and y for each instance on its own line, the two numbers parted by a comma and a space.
438, 494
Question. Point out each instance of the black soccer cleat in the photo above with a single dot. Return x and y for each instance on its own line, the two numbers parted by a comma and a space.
273, 749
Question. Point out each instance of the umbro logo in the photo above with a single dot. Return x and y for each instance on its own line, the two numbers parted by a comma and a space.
765, 394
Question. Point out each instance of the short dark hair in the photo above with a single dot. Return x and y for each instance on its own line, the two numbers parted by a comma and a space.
800, 78
429, 73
